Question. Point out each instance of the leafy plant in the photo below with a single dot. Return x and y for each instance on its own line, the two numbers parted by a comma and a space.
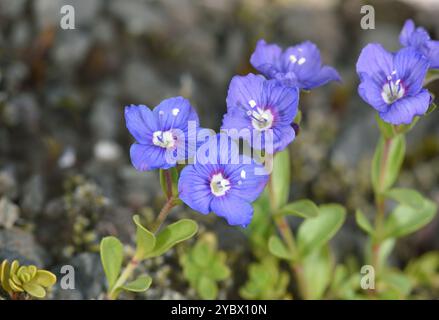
266, 281
203, 266
25, 281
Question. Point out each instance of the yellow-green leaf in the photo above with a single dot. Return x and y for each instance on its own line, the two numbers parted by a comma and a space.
145, 239
45, 278
278, 248
302, 208
173, 234
363, 222
315, 232
280, 179
111, 257
34, 290
141, 284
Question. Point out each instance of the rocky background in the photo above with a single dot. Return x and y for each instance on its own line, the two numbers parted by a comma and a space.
65, 175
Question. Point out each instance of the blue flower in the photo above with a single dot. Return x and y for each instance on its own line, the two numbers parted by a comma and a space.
297, 66
419, 39
226, 186
266, 108
392, 82
164, 136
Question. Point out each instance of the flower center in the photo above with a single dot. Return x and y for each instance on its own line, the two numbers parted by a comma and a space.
262, 119
164, 139
219, 185
393, 89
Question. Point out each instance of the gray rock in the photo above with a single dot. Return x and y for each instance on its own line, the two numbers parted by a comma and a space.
21, 243
105, 118
9, 213
12, 8
33, 196
89, 278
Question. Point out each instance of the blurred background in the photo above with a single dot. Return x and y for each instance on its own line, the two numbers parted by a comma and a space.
65, 175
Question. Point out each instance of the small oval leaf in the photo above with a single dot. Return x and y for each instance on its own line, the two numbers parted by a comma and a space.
173, 234
302, 208
278, 248
409, 197
111, 257
363, 222
141, 284
315, 232
145, 239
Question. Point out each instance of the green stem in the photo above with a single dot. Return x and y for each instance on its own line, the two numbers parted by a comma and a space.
381, 208
132, 265
288, 236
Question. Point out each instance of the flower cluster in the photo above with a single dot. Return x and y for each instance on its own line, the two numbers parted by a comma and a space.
260, 110
392, 83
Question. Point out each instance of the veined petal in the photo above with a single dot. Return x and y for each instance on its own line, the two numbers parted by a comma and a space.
282, 137
235, 210
370, 92
245, 91
282, 100
303, 59
140, 122
194, 189
324, 75
266, 57
403, 110
376, 62
411, 67
248, 179
148, 157
432, 53
406, 32
175, 113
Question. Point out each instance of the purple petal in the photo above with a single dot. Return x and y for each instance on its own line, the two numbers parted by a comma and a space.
325, 75
432, 52
303, 59
406, 32
411, 67
266, 57
282, 137
243, 89
370, 92
376, 62
140, 122
194, 189
403, 110
148, 157
175, 113
247, 180
236, 211
282, 100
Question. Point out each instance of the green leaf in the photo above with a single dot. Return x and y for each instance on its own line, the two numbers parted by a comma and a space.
405, 220
141, 284
317, 268
397, 281
409, 197
386, 163
302, 208
280, 179
173, 172
278, 248
363, 222
315, 232
145, 239
173, 234
111, 257
207, 288
34, 289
